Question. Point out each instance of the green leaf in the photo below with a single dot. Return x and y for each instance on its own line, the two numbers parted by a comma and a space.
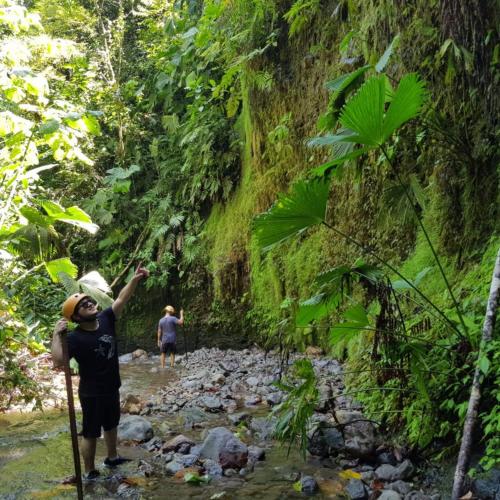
322, 170
72, 215
64, 265
302, 208
342, 82
49, 127
484, 364
35, 217
297, 486
382, 62
357, 314
92, 124
364, 113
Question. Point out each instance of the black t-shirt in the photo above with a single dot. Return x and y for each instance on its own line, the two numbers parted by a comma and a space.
97, 356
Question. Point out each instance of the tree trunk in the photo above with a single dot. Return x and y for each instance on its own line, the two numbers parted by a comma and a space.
475, 396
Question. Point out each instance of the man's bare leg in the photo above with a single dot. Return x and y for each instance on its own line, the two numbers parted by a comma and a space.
110, 440
88, 453
172, 360
162, 357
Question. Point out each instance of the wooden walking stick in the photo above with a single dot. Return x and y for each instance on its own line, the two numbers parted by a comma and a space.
72, 418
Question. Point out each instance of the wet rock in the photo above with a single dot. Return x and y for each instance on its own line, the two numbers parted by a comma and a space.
131, 404
386, 457
256, 453
488, 486
400, 487
192, 384
418, 495
230, 472
274, 398
210, 403
145, 468
212, 468
237, 418
178, 442
125, 358
263, 427
390, 495
189, 417
325, 441
388, 472
153, 444
252, 381
218, 378
325, 396
174, 466
223, 447
135, 428
139, 353
356, 490
368, 476
252, 400
308, 485
359, 434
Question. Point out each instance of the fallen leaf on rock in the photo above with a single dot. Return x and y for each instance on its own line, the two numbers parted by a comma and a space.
350, 474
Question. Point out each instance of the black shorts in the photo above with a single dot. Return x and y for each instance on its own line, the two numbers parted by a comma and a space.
100, 411
168, 348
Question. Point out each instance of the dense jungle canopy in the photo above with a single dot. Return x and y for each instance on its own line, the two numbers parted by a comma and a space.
292, 173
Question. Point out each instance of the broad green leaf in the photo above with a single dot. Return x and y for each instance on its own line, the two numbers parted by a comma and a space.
102, 299
63, 265
358, 314
92, 124
382, 62
342, 82
484, 364
328, 166
35, 217
72, 215
293, 213
49, 127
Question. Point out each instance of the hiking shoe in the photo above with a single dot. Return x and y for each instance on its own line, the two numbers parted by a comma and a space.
91, 476
108, 462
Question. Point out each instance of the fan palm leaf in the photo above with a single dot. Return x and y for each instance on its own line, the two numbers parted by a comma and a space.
302, 208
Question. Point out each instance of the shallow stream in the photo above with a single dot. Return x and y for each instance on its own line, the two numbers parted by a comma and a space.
35, 456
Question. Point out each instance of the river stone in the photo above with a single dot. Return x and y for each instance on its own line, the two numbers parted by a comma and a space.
222, 446
418, 495
386, 457
125, 358
252, 381
210, 403
263, 427
175, 443
174, 466
134, 428
356, 490
388, 472
390, 495
237, 418
308, 485
252, 400
488, 486
325, 396
256, 453
217, 378
274, 398
400, 487
139, 353
325, 441
153, 444
212, 468
191, 416
359, 436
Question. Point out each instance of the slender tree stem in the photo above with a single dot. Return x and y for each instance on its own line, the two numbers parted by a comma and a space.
427, 238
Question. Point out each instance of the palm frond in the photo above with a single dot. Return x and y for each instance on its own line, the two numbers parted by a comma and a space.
293, 213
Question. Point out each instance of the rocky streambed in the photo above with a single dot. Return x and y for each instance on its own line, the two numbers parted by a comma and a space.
204, 430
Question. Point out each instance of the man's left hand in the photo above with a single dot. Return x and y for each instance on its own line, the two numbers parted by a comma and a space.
141, 272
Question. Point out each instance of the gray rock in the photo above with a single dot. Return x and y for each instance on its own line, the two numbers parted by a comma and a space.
237, 418
212, 468
178, 441
487, 487
153, 444
359, 435
174, 466
252, 381
308, 484
390, 495
356, 490
325, 441
386, 457
223, 447
256, 453
400, 487
274, 398
368, 476
325, 396
387, 472
263, 427
417, 495
134, 428
185, 460
252, 400
210, 403
230, 472
217, 378
125, 358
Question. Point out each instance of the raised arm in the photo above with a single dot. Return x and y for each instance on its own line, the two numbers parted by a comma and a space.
128, 290
181, 319
56, 348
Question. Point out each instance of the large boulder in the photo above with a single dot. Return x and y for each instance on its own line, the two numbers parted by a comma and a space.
387, 472
325, 441
487, 487
135, 428
359, 434
223, 447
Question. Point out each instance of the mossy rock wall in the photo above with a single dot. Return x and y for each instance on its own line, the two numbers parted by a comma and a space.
455, 162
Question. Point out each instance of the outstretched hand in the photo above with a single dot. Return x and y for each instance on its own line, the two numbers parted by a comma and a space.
141, 272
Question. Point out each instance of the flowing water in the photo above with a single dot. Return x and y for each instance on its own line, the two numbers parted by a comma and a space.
35, 456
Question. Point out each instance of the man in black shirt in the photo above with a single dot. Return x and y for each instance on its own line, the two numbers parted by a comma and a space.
93, 345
